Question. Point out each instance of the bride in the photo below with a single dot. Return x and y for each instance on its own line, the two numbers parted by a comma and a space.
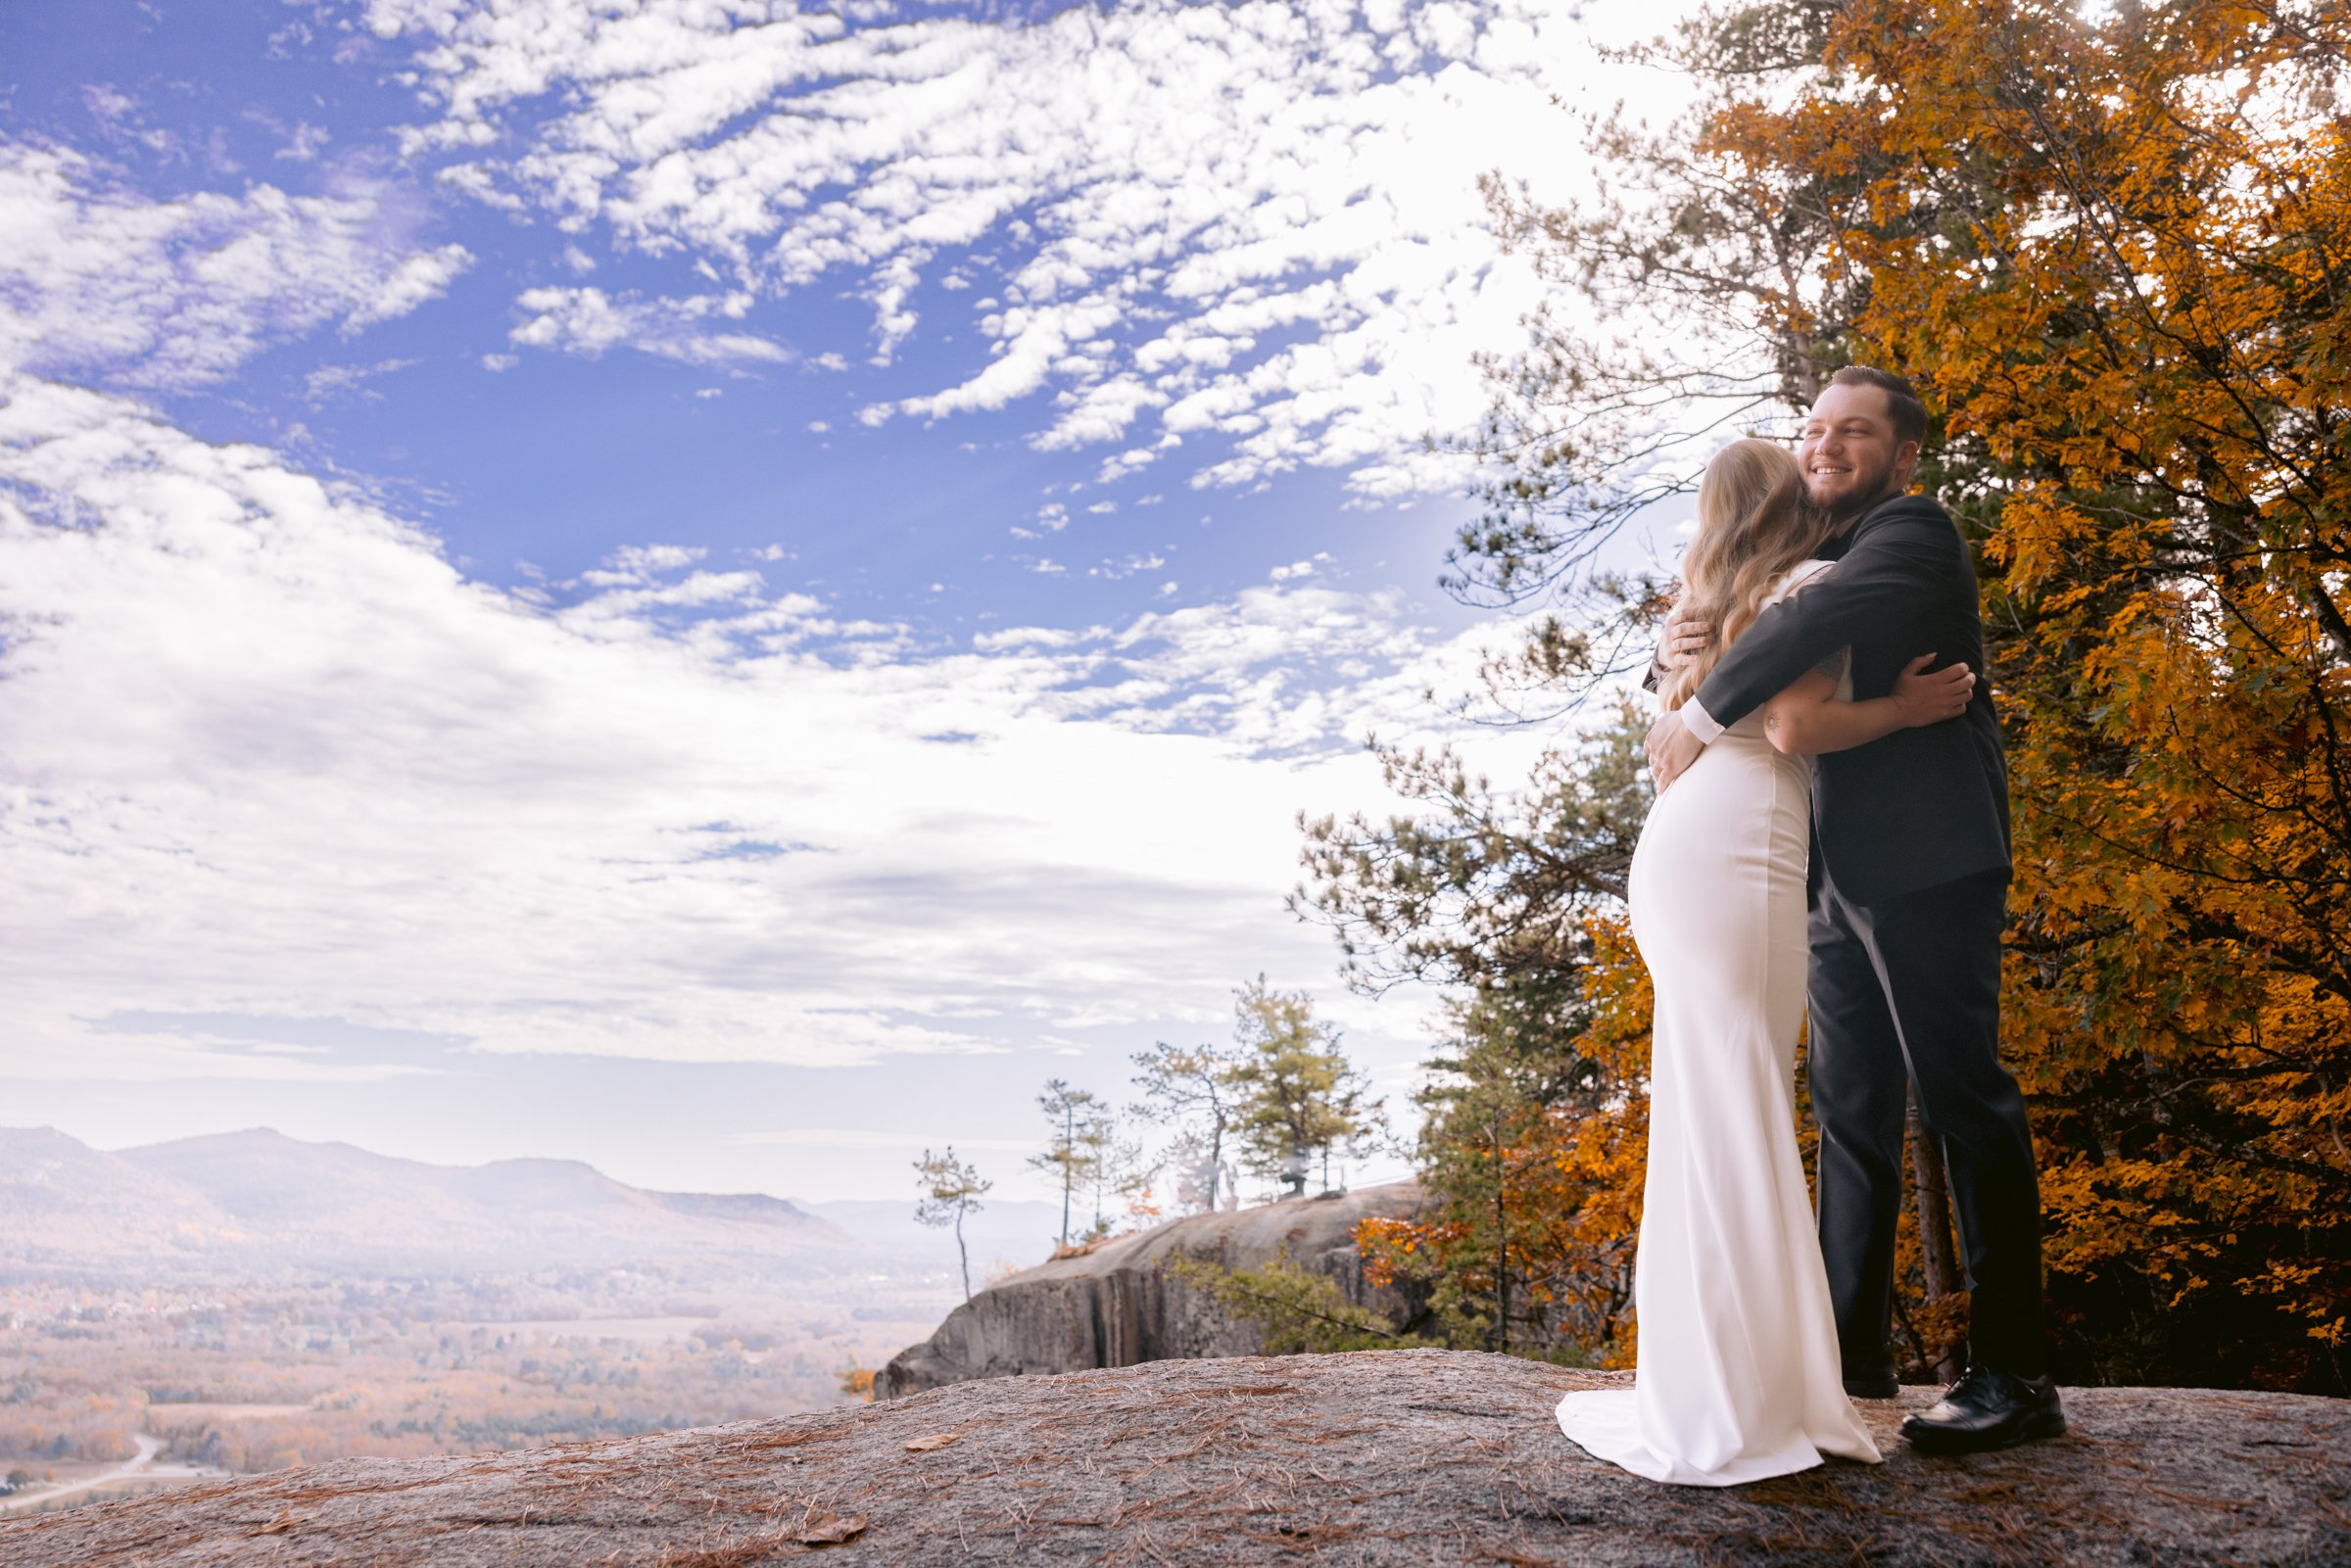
1739, 1376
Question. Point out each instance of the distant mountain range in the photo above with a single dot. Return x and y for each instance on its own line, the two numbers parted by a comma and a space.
258, 1205
258, 1202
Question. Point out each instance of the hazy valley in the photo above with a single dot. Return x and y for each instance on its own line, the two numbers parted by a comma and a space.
248, 1301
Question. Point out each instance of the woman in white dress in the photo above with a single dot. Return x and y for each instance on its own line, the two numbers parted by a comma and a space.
1739, 1377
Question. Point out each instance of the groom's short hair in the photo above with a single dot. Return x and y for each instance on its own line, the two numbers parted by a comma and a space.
1901, 399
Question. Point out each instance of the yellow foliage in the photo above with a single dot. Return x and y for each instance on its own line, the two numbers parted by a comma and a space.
2114, 254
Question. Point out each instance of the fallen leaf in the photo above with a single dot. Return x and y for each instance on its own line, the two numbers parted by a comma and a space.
830, 1529
937, 1439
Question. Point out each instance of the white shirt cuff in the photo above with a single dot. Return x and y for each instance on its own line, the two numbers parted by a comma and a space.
1698, 721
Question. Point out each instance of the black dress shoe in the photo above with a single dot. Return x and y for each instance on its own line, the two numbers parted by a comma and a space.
1871, 1386
1988, 1408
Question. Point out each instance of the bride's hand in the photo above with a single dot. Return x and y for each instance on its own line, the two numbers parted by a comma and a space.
1684, 641
1931, 698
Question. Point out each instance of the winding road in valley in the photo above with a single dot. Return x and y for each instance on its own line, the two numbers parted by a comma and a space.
141, 1466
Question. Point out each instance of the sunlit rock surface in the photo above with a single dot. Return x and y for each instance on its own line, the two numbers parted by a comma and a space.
1402, 1458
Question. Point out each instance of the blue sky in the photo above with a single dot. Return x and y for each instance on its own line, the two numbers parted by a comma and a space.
710, 587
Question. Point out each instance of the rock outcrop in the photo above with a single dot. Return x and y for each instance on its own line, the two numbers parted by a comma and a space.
1402, 1458
1116, 1306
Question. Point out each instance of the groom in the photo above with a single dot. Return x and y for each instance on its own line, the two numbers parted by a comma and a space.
1910, 871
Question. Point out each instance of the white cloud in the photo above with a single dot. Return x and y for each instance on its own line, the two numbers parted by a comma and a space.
866, 1138
302, 143
330, 383
1052, 518
471, 179
642, 564
588, 322
417, 278
173, 294
1125, 463
1128, 566
272, 753
1254, 223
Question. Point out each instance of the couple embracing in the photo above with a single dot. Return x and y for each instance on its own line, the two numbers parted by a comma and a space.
1831, 836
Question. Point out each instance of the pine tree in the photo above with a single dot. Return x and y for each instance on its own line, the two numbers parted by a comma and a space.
1097, 1151
1193, 1090
1065, 1153
1299, 1096
951, 1191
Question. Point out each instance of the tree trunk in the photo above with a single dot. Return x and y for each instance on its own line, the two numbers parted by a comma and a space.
1938, 1258
1069, 1167
1502, 1238
963, 1254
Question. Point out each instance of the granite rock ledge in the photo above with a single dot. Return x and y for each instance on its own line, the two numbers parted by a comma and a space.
1390, 1457
1114, 1304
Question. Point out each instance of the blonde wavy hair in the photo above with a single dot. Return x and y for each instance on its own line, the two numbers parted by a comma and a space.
1752, 525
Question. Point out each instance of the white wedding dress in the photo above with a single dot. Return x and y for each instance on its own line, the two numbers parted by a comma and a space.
1739, 1377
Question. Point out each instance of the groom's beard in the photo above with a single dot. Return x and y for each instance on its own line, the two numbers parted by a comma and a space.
1847, 510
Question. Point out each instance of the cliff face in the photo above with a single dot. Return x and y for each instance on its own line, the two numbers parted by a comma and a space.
1384, 1457
1115, 1306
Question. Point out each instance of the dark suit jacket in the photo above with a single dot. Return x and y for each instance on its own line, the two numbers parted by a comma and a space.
1919, 807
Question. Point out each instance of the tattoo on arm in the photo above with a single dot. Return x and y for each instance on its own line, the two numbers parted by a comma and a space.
1771, 722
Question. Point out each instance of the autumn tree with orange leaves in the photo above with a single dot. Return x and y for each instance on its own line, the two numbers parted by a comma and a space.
1531, 1135
2113, 250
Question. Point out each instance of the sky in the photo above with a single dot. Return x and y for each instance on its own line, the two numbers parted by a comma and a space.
718, 586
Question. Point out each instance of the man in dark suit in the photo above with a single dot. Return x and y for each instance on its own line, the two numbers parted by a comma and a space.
1909, 881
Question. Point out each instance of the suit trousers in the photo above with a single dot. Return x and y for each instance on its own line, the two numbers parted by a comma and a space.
1908, 991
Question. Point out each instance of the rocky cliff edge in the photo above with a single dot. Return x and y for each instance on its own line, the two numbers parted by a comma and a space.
1385, 1457
1116, 1305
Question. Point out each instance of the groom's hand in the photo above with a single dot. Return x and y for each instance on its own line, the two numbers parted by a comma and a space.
1671, 749
1924, 699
